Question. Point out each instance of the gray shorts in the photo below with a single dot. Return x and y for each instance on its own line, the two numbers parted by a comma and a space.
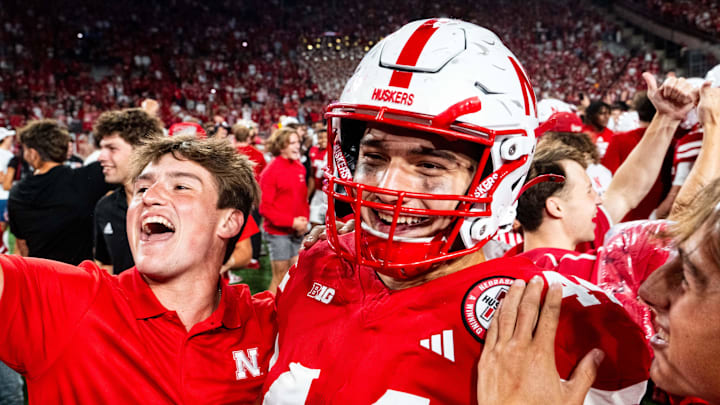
282, 247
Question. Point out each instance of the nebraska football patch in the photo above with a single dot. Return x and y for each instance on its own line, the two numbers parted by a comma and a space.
481, 302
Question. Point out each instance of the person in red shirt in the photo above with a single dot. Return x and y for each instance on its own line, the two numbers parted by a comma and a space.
431, 157
597, 115
165, 332
241, 139
283, 206
518, 363
619, 149
558, 216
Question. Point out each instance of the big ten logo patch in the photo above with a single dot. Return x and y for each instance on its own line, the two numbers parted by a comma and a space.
481, 302
321, 293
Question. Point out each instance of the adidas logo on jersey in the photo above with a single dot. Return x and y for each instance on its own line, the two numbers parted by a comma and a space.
441, 344
108, 229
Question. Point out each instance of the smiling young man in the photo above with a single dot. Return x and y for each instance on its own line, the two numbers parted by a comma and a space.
167, 331
118, 133
430, 143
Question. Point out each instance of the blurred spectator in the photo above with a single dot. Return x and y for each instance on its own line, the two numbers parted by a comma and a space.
619, 149
118, 133
597, 116
6, 141
51, 211
241, 136
283, 203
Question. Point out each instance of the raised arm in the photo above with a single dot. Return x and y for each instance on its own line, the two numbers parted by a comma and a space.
637, 174
707, 165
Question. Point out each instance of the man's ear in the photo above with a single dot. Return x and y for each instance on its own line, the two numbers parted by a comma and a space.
231, 223
554, 207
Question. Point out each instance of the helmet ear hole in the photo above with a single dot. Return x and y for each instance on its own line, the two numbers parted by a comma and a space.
350, 133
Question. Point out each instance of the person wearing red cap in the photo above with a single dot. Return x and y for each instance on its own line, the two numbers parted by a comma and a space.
187, 128
567, 128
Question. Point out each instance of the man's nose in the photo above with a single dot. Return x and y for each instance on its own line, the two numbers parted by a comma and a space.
154, 195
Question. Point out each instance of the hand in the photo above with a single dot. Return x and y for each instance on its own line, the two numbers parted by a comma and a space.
709, 106
675, 98
517, 367
318, 233
150, 106
300, 225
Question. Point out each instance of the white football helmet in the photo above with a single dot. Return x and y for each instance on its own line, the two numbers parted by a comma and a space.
453, 79
549, 106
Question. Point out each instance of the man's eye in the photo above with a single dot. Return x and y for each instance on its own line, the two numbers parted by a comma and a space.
372, 157
181, 187
432, 166
140, 190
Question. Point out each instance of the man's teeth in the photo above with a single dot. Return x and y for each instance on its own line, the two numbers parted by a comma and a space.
156, 220
403, 219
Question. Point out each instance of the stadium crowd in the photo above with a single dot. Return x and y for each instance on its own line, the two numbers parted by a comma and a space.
159, 105
249, 62
701, 15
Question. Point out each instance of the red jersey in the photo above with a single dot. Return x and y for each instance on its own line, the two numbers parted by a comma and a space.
256, 157
318, 160
345, 338
601, 139
603, 223
687, 151
580, 262
284, 195
80, 335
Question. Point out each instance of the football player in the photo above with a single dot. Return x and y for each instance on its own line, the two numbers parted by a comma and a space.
430, 143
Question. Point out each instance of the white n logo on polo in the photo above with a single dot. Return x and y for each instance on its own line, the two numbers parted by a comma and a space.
247, 362
441, 344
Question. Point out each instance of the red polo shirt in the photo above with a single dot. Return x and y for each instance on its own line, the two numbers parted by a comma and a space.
80, 335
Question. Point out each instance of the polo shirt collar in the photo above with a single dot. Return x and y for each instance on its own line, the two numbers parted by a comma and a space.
142, 300
235, 305
234, 309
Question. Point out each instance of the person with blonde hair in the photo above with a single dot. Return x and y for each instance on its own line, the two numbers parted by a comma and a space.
283, 206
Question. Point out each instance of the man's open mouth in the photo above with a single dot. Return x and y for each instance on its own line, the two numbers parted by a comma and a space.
386, 218
157, 227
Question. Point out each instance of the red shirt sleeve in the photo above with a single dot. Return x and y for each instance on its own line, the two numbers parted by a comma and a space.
41, 302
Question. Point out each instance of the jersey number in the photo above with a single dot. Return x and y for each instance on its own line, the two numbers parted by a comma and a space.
293, 387
579, 288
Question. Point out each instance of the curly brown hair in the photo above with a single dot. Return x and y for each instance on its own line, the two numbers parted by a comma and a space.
48, 138
133, 125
